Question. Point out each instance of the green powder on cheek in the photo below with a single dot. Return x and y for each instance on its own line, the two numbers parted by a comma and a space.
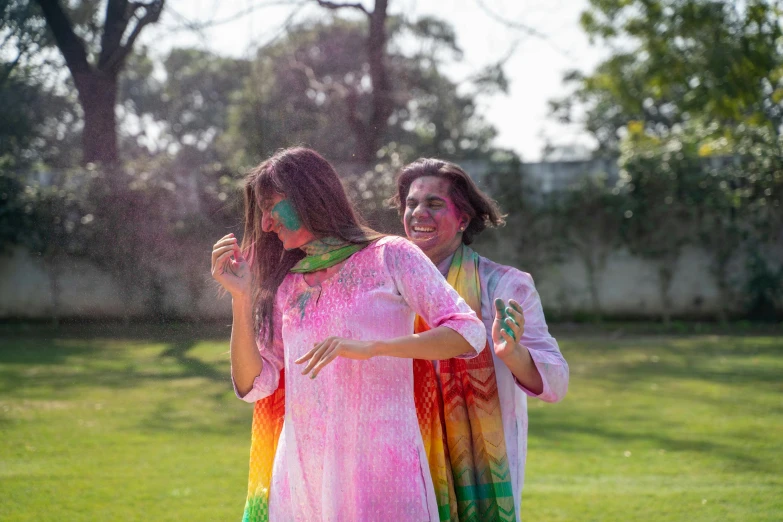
287, 215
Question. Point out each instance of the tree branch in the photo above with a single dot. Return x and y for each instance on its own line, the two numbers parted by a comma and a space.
517, 26
115, 23
314, 82
334, 5
71, 47
9, 67
200, 26
114, 60
508, 23
355, 122
346, 92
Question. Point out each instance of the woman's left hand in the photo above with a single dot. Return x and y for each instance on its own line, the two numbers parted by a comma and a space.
327, 350
508, 327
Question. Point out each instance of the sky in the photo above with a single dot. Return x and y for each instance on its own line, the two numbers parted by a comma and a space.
486, 34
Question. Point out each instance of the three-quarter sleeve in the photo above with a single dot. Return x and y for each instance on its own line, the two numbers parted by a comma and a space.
272, 355
542, 346
428, 294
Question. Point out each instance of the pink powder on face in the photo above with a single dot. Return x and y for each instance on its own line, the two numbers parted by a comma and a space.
431, 218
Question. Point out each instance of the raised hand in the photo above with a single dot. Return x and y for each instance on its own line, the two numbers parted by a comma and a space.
230, 268
508, 327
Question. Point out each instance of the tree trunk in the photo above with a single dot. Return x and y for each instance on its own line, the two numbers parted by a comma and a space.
591, 268
98, 98
53, 271
381, 90
97, 84
369, 132
719, 271
665, 276
592, 284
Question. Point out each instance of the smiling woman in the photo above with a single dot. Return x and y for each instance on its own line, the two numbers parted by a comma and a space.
481, 403
322, 342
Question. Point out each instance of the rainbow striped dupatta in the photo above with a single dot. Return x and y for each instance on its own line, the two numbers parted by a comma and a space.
268, 418
461, 423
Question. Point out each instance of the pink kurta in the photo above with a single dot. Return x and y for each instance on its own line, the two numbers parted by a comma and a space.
351, 448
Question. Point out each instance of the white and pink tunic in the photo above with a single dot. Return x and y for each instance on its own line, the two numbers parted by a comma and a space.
351, 448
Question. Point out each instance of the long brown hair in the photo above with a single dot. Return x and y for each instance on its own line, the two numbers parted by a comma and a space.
312, 186
482, 210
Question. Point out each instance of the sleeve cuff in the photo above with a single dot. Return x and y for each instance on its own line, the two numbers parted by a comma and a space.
474, 334
264, 384
550, 368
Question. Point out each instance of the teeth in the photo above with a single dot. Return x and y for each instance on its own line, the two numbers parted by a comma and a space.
424, 229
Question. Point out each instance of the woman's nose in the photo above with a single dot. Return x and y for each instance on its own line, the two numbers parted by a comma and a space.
418, 211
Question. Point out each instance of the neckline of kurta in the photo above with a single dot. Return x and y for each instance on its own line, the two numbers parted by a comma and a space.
337, 273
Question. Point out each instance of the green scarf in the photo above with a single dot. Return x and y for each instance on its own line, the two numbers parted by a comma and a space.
325, 252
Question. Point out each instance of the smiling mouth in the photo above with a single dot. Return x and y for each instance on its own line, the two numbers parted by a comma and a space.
423, 230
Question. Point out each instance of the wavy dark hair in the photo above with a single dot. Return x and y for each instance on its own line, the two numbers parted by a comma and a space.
482, 210
314, 189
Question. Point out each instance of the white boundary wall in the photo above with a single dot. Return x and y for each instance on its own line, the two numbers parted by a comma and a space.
628, 286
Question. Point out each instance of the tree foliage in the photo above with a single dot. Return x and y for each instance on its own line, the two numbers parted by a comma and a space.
673, 61
308, 88
588, 219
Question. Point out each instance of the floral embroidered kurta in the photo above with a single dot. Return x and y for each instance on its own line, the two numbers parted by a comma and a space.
351, 448
505, 282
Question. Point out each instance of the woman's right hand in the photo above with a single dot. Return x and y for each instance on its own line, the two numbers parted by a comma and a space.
230, 268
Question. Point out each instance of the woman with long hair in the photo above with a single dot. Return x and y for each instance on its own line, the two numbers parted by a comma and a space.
482, 433
322, 341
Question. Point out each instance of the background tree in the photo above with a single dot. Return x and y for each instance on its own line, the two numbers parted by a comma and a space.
692, 101
528, 239
369, 131
587, 219
58, 236
39, 122
659, 183
672, 61
299, 88
188, 107
96, 60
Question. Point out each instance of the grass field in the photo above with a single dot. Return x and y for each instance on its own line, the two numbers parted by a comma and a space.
141, 424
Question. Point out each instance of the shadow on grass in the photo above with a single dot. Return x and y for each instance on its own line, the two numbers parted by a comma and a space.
32, 351
40, 369
577, 426
34, 367
727, 374
214, 419
117, 330
719, 360
193, 366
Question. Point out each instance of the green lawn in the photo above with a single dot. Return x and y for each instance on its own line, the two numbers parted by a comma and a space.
141, 424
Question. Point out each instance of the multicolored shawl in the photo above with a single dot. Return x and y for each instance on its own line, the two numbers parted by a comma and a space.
460, 424
476, 486
268, 418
